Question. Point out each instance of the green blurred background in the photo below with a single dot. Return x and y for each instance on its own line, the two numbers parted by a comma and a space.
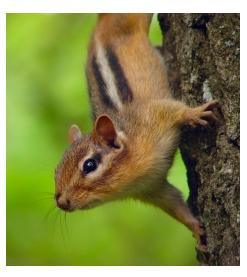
46, 93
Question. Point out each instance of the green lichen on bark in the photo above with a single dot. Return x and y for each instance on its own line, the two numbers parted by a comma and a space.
202, 55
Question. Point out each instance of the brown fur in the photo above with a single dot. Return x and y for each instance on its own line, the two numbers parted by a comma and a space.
137, 142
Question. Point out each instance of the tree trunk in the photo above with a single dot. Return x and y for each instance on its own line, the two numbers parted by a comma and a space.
202, 55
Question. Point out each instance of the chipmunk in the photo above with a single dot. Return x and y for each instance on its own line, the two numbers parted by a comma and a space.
136, 125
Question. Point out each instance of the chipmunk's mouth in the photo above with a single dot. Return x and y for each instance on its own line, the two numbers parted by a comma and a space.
90, 205
65, 207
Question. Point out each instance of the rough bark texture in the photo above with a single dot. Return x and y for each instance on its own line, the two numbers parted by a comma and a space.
202, 52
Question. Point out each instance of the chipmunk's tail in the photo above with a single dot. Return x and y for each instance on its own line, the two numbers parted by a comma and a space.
127, 22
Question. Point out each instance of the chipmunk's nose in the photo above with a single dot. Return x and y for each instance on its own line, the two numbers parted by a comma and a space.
63, 202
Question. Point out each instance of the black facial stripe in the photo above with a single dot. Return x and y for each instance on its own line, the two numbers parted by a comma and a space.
97, 157
124, 90
88, 85
101, 85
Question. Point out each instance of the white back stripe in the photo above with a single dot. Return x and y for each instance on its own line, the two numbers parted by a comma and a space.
107, 76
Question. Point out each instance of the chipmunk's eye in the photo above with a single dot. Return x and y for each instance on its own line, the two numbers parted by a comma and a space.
89, 165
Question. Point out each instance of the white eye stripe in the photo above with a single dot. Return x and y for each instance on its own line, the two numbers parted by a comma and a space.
108, 76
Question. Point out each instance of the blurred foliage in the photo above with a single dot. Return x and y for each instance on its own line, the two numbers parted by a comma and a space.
46, 92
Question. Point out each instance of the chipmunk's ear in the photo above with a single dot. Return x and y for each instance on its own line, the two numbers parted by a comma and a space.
74, 133
104, 131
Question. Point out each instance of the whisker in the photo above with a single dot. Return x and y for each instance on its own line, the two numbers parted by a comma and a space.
62, 233
66, 225
55, 223
40, 200
47, 192
51, 209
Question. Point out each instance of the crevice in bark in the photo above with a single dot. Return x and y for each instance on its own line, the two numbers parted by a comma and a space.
201, 23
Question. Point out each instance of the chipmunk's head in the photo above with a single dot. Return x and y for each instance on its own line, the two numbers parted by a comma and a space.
89, 172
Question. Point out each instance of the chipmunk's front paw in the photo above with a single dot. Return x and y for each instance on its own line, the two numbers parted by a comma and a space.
200, 115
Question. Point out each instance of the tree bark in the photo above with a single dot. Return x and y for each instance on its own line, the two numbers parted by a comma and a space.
202, 55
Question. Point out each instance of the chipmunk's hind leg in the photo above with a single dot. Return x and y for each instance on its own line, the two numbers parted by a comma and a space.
169, 199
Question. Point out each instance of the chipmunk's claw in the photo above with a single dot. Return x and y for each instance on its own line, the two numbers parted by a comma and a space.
211, 105
202, 248
199, 234
200, 115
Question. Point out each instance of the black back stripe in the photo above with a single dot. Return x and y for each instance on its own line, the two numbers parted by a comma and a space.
101, 85
124, 90
90, 97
